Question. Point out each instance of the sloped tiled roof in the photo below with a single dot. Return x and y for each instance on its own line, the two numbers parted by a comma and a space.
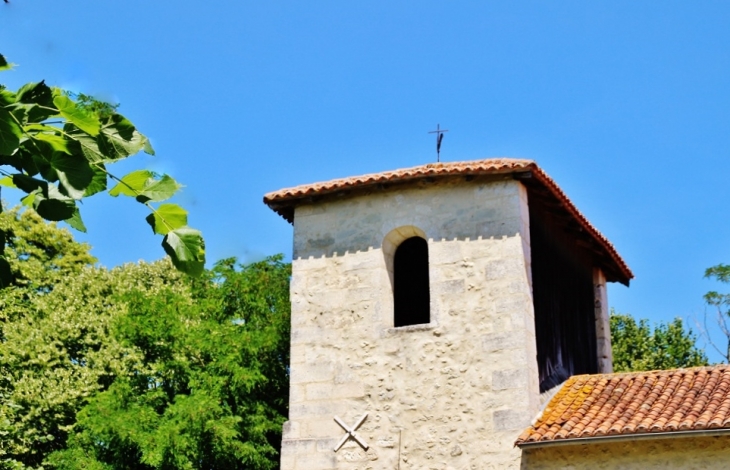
635, 404
285, 200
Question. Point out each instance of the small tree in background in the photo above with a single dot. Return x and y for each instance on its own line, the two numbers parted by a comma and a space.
721, 304
636, 346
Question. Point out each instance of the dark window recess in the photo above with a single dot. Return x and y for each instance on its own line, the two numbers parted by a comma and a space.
410, 283
562, 286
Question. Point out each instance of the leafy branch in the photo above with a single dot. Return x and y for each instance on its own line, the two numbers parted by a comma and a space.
59, 145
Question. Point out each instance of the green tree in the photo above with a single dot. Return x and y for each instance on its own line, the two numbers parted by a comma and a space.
39, 256
56, 347
138, 366
636, 346
209, 388
57, 147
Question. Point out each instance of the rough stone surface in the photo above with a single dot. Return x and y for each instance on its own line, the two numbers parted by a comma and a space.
680, 452
452, 394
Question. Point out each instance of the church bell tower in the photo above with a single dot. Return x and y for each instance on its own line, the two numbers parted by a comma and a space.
433, 308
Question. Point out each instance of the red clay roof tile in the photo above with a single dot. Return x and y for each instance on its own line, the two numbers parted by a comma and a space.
635, 403
285, 200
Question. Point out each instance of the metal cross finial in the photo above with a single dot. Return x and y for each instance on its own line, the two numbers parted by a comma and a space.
439, 137
351, 433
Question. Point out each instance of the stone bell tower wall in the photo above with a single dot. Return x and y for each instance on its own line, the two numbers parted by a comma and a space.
454, 393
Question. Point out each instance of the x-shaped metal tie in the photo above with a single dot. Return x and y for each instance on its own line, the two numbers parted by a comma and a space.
351, 433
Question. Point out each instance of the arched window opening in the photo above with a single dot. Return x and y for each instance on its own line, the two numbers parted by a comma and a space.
411, 294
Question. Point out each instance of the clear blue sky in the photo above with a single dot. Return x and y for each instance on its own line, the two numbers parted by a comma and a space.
625, 104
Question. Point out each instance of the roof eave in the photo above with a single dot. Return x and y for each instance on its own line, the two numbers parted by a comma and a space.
623, 437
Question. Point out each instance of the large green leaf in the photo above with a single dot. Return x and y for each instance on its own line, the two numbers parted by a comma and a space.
28, 184
35, 93
10, 133
56, 142
82, 119
85, 144
53, 205
6, 97
186, 248
159, 190
76, 222
132, 184
167, 217
120, 139
98, 182
74, 173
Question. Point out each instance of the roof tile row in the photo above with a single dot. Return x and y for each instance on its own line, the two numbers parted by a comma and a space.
635, 403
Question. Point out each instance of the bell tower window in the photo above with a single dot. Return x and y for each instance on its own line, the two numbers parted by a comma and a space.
411, 295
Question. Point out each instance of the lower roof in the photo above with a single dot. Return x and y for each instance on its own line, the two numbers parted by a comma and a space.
635, 404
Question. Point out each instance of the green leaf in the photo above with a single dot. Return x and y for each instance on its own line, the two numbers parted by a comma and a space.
10, 133
4, 64
159, 190
148, 147
6, 97
132, 183
76, 222
8, 182
167, 217
57, 143
120, 139
28, 200
28, 184
54, 207
78, 116
35, 93
98, 182
74, 173
186, 248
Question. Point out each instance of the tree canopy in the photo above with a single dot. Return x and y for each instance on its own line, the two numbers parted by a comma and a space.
637, 346
138, 367
57, 147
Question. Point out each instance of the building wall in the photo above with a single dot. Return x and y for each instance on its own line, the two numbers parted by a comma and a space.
642, 454
455, 393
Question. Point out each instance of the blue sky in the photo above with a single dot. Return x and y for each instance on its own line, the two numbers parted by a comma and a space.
625, 104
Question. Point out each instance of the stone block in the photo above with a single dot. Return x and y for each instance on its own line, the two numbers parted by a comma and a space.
332, 391
501, 341
290, 430
306, 373
509, 379
510, 420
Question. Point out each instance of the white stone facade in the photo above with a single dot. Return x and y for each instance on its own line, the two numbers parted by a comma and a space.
453, 394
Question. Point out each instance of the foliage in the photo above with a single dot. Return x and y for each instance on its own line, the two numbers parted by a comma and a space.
61, 352
637, 347
721, 302
209, 387
56, 147
139, 366
39, 256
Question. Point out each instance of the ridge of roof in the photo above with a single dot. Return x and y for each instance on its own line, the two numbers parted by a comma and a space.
635, 403
284, 200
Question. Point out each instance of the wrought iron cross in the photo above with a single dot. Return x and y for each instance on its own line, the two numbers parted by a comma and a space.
439, 137
350, 433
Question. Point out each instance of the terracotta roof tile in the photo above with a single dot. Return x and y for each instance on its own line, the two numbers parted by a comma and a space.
285, 200
635, 403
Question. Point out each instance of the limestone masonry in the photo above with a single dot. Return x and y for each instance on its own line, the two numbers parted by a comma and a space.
454, 393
